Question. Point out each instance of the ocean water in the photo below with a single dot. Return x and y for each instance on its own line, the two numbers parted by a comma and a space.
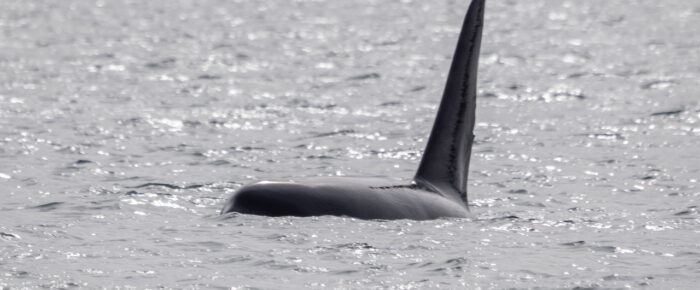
125, 125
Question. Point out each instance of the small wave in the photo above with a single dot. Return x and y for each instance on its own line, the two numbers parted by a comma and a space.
48, 206
364, 77
339, 132
9, 235
162, 64
668, 113
574, 244
657, 84
166, 185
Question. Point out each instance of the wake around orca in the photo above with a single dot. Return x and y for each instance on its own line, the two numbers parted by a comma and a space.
439, 188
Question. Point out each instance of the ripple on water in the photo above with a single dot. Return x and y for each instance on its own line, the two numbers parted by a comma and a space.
122, 133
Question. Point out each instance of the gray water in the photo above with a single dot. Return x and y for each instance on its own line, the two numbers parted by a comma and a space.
125, 125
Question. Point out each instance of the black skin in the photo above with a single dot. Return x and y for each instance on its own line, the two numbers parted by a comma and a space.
343, 197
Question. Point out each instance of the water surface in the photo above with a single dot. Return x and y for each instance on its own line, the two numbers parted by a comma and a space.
124, 126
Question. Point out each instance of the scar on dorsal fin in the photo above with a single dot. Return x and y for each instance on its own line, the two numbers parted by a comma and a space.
445, 163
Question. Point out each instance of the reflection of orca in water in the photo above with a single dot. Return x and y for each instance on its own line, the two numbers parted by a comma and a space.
439, 188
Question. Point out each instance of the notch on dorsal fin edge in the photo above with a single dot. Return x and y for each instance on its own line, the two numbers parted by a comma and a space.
445, 163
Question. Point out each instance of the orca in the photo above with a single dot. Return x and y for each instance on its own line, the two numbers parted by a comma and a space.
439, 188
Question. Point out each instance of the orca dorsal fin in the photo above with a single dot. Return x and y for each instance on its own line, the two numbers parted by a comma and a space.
445, 163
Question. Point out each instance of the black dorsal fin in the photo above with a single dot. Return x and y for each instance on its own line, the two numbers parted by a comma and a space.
445, 163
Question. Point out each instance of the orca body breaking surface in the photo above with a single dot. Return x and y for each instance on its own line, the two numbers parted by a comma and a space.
439, 188
354, 197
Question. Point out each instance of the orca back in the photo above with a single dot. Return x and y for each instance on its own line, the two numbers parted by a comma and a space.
353, 197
